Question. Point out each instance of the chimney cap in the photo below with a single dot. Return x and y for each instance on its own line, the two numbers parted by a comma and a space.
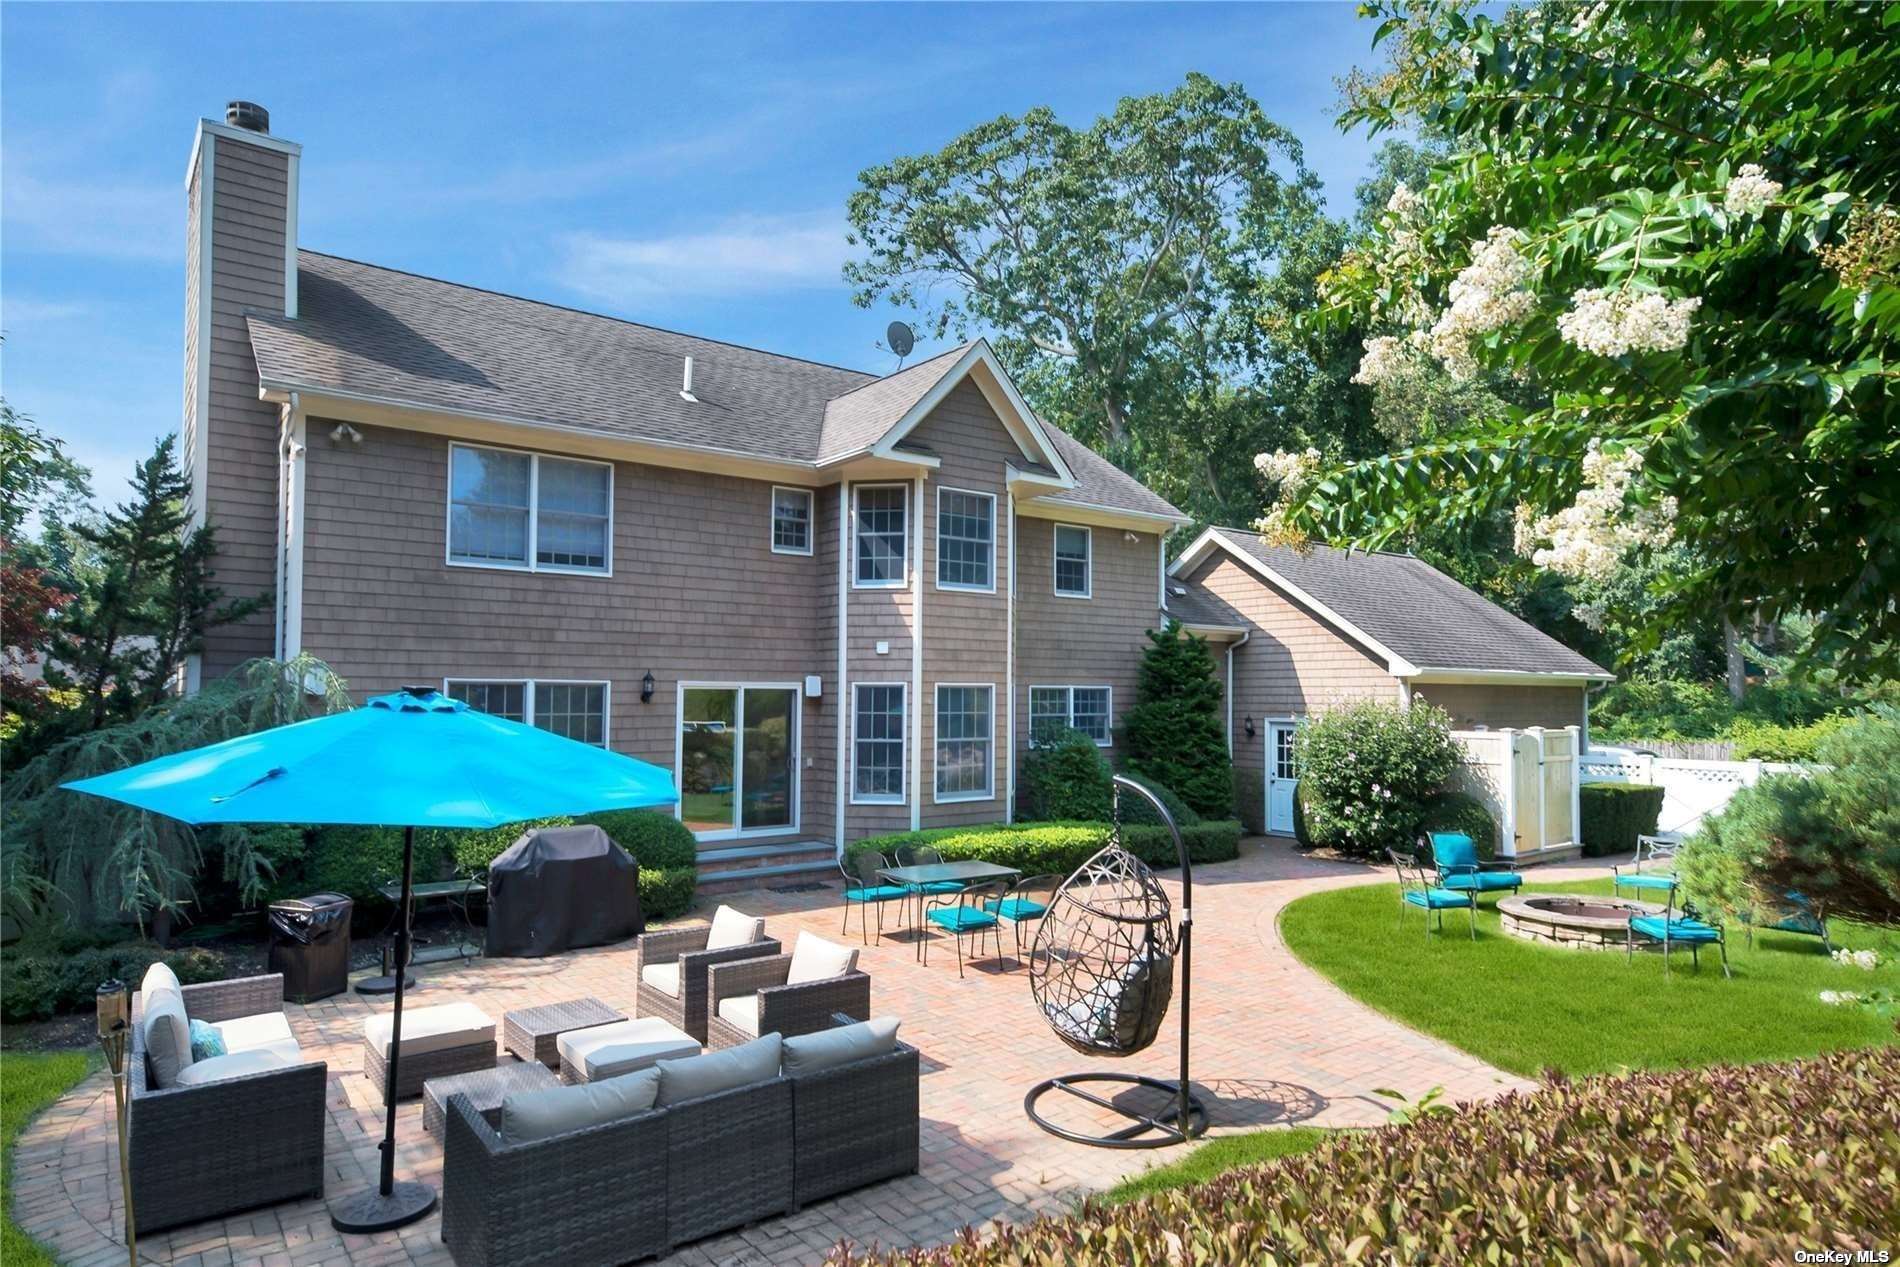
248, 115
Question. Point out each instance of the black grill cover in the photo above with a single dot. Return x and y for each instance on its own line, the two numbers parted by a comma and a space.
558, 888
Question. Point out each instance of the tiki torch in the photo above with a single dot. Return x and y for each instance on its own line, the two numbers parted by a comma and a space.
114, 1004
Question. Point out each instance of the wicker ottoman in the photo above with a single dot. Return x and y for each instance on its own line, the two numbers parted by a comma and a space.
485, 1089
607, 1051
436, 1042
530, 1032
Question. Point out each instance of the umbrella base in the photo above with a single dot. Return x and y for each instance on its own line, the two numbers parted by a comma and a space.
384, 984
371, 1211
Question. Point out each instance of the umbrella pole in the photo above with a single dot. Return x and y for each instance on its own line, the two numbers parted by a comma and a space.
392, 1204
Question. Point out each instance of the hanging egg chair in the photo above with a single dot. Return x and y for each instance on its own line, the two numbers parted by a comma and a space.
1102, 976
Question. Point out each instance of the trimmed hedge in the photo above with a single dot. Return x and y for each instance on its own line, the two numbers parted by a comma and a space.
1615, 814
666, 851
1737, 1164
36, 983
1250, 800
1065, 778
1455, 811
1059, 848
1137, 810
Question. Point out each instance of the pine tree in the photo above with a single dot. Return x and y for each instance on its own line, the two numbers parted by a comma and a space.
122, 642
1173, 735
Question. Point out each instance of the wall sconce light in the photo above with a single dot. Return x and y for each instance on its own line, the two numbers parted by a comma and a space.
1250, 728
646, 689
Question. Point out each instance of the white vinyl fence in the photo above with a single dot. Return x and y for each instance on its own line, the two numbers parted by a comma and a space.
1691, 789
1528, 779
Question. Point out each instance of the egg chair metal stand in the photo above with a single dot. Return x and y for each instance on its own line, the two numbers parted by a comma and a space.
1102, 974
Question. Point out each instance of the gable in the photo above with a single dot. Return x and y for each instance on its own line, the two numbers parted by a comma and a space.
1223, 585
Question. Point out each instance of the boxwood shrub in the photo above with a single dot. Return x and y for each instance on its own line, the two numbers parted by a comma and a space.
41, 981
1731, 1164
666, 851
1065, 778
1615, 814
1059, 848
1455, 811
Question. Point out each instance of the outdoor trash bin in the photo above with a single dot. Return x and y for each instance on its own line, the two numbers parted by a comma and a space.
310, 945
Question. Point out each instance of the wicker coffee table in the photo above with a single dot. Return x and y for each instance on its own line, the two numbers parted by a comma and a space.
533, 1032
485, 1088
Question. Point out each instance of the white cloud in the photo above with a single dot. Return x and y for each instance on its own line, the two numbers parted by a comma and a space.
125, 220
749, 255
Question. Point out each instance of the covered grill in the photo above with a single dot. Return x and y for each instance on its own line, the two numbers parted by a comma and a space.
558, 888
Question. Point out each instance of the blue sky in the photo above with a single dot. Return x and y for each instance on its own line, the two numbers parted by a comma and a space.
685, 166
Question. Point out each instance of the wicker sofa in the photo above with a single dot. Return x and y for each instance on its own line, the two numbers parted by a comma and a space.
200, 1152
686, 1008
638, 1187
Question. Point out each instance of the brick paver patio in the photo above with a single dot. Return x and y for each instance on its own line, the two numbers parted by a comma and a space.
1273, 1044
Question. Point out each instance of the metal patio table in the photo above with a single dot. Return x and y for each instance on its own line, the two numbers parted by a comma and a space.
969, 872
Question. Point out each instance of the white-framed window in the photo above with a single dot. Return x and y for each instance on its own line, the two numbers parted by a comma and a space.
529, 512
966, 540
1089, 709
1074, 548
877, 743
966, 741
791, 520
573, 710
880, 527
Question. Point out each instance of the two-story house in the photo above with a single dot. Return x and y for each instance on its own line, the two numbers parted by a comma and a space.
834, 604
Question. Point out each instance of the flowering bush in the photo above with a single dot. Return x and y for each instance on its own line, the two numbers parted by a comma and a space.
1370, 772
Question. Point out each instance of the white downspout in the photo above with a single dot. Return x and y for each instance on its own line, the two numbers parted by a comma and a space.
1231, 648
1009, 673
843, 771
917, 662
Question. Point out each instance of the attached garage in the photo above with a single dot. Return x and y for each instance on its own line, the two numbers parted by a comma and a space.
1301, 631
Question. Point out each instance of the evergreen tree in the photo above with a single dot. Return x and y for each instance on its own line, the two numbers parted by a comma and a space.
123, 641
1173, 735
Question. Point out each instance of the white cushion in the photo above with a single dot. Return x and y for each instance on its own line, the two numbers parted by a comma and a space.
266, 1031
237, 1064
808, 1053
436, 1028
815, 959
533, 1115
664, 977
167, 1035
716, 1071
607, 1051
741, 1011
160, 977
734, 928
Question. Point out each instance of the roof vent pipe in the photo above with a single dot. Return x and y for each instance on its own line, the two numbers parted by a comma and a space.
686, 386
247, 115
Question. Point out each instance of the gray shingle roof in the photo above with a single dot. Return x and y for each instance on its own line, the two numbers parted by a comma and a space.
381, 333
1413, 609
1192, 605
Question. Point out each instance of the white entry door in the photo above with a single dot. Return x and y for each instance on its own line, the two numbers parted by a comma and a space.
1282, 778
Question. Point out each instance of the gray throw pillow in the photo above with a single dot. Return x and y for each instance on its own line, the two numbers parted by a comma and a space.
167, 1036
808, 1053
533, 1115
716, 1071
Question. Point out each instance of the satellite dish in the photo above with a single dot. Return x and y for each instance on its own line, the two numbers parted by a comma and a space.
899, 337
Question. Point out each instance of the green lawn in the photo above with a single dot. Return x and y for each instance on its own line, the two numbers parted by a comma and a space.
29, 1081
1216, 1155
1526, 1007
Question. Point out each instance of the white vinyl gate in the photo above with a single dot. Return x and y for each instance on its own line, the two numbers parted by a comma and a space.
1528, 779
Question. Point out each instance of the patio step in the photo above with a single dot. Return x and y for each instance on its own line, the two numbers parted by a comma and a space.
727, 870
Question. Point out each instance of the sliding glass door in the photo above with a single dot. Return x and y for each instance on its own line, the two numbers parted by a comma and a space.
738, 764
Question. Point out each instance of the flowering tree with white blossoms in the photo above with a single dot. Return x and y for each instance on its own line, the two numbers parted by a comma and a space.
1672, 223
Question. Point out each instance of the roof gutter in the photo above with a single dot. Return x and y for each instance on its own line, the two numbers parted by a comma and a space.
1504, 677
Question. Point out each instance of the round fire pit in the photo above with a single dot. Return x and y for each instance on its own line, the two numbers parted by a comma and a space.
1576, 921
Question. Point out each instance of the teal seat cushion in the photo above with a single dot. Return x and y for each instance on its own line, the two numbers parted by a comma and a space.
1648, 880
961, 919
1482, 881
938, 887
1437, 899
1017, 908
876, 893
1657, 928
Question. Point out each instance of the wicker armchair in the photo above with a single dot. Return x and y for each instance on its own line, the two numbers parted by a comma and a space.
786, 1010
854, 1124
592, 1196
211, 1150
686, 1010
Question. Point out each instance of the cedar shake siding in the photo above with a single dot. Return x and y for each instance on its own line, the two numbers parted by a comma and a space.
1496, 706
1095, 641
237, 454
1293, 664
696, 595
966, 633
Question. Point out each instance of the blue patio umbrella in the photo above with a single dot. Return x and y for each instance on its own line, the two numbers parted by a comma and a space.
412, 759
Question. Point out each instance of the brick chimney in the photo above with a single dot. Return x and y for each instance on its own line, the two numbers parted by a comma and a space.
240, 255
